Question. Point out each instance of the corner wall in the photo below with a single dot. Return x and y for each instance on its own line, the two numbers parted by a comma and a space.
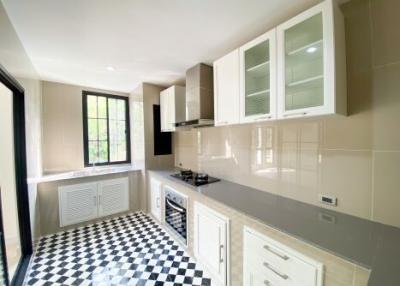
15, 60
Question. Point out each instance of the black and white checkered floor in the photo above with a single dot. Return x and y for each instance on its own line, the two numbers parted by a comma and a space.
128, 250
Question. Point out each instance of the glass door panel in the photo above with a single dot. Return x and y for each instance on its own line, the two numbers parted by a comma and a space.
304, 64
257, 79
7, 183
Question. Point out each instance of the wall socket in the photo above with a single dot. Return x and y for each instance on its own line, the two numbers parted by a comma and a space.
328, 200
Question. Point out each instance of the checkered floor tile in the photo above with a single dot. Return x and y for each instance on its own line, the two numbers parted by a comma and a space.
128, 250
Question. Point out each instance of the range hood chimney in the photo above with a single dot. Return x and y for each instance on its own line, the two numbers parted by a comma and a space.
199, 101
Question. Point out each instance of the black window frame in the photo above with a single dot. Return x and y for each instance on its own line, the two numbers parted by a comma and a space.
85, 94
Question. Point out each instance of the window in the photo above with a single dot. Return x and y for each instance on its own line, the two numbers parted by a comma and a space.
105, 129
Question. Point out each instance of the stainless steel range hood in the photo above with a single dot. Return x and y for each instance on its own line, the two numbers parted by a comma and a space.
199, 101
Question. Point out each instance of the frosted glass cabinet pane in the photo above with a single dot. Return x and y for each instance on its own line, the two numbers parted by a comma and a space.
304, 64
257, 79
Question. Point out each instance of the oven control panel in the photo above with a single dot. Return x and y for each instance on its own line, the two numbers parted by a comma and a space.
175, 197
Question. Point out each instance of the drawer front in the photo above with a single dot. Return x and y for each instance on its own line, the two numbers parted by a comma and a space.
257, 275
285, 267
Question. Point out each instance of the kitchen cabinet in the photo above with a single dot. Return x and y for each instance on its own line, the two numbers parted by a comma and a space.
226, 89
211, 241
311, 63
172, 107
84, 202
77, 203
296, 70
258, 79
113, 196
268, 262
155, 198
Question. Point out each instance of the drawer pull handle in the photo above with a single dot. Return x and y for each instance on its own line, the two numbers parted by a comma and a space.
267, 283
284, 257
283, 276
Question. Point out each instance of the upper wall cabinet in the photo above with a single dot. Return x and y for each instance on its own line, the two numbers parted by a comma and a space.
172, 106
226, 89
311, 63
258, 79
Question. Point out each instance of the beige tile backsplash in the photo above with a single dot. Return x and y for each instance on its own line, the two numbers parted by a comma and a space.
355, 158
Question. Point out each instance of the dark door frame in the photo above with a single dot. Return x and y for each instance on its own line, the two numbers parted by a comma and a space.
20, 180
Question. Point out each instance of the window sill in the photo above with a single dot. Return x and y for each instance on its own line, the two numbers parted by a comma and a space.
86, 172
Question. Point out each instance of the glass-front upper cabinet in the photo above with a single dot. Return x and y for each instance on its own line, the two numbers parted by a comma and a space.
311, 63
258, 79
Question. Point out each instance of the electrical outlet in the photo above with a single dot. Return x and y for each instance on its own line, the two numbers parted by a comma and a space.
328, 200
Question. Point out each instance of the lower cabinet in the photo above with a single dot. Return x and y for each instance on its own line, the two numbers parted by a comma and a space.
269, 263
84, 202
113, 196
211, 232
155, 198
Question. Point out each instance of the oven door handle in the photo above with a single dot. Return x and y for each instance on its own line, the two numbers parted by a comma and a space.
174, 207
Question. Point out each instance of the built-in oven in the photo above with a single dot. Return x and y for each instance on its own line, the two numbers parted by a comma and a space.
176, 213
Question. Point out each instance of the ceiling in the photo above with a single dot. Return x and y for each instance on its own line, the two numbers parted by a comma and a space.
155, 41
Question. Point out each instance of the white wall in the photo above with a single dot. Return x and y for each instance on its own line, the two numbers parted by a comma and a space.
63, 126
136, 112
15, 60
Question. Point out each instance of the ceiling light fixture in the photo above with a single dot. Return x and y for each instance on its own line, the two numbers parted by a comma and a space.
110, 68
311, 50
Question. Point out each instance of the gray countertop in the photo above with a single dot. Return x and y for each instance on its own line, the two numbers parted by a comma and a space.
369, 244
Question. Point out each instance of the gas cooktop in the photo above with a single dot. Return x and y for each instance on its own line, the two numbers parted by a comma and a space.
195, 179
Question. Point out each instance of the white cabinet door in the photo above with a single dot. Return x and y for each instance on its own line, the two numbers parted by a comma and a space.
172, 106
77, 203
258, 79
113, 196
171, 109
226, 89
311, 63
211, 241
164, 110
155, 198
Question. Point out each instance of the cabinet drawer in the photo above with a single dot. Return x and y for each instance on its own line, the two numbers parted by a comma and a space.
256, 274
286, 265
